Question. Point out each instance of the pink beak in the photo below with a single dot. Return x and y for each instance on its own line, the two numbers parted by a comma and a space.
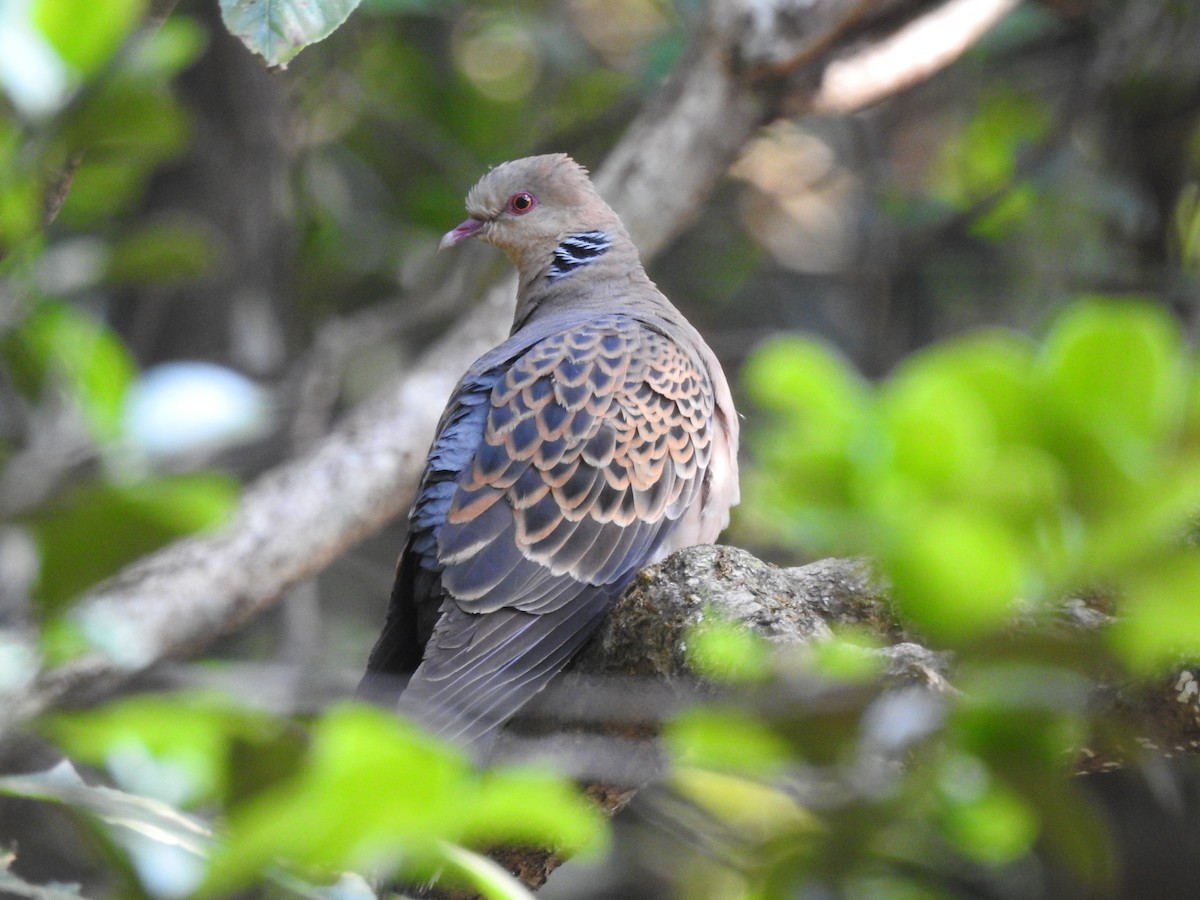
460, 233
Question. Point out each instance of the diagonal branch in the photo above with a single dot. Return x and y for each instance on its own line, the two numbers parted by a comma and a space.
300, 516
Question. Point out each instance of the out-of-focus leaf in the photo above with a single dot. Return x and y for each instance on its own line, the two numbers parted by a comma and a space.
727, 740
1020, 711
957, 574
58, 347
801, 374
994, 825
1158, 625
983, 158
995, 367
486, 875
497, 54
585, 97
822, 410
1187, 225
127, 116
1010, 211
62, 784
754, 809
129, 128
86, 33
851, 656
20, 191
529, 807
1116, 384
163, 253
92, 531
102, 189
375, 792
728, 652
940, 435
176, 748
279, 29
987, 469
166, 51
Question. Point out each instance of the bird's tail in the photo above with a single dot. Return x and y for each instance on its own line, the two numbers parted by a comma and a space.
480, 669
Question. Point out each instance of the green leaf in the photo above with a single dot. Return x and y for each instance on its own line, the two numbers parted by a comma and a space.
1115, 385
528, 807
102, 190
728, 652
165, 253
20, 189
94, 530
62, 784
168, 50
995, 826
941, 432
84, 32
58, 347
958, 573
279, 29
800, 374
752, 809
177, 748
726, 740
996, 367
375, 792
983, 159
851, 656
130, 121
1158, 626
486, 875
822, 427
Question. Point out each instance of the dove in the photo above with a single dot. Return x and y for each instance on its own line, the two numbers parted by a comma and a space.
598, 438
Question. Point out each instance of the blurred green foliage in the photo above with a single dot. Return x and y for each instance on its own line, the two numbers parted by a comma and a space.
86, 147
80, 547
355, 789
990, 476
86, 35
993, 470
58, 350
983, 163
187, 750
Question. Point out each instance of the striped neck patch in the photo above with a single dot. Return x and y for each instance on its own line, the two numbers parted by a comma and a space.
577, 251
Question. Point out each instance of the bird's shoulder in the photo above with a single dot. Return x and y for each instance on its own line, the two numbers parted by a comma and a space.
564, 348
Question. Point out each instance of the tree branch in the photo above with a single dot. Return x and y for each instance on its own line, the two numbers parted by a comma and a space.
637, 672
302, 515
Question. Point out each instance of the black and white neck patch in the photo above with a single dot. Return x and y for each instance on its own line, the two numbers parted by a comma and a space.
577, 251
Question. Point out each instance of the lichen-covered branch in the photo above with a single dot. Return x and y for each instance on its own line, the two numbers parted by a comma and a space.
300, 516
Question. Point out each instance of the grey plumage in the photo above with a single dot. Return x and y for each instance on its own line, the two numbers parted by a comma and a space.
598, 438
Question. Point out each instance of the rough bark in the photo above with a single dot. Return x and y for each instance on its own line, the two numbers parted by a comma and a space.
749, 62
643, 646
637, 671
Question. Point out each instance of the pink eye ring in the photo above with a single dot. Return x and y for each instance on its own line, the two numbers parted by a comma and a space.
521, 203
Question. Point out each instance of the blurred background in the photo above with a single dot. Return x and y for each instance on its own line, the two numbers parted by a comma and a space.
243, 254
237, 256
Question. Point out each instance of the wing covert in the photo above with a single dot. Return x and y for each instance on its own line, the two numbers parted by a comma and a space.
593, 445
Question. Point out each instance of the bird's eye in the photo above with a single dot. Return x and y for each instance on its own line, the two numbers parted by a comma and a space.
521, 203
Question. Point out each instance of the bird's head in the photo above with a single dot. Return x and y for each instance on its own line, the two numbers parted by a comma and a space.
526, 207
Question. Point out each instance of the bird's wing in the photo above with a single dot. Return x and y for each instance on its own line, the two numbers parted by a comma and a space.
591, 445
